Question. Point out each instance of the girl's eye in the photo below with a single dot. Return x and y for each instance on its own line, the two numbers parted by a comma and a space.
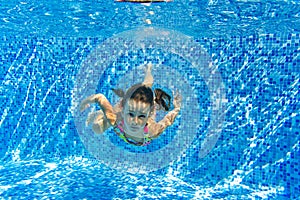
142, 116
131, 114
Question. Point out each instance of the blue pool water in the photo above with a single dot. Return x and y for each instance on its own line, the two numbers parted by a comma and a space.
236, 64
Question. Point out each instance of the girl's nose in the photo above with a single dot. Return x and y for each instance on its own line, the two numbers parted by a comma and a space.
136, 120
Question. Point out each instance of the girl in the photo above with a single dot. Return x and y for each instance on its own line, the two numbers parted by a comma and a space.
133, 117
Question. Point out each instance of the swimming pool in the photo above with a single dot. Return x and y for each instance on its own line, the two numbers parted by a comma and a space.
240, 58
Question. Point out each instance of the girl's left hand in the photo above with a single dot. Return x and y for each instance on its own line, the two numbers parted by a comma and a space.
177, 100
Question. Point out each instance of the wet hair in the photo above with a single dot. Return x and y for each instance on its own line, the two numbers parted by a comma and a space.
140, 92
162, 99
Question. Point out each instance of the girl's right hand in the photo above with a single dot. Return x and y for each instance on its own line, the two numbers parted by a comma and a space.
86, 102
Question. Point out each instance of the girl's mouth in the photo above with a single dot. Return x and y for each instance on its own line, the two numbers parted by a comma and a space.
134, 128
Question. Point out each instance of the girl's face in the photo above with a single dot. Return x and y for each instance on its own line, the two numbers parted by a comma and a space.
135, 115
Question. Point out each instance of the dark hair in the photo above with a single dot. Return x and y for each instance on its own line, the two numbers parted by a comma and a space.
140, 92
162, 99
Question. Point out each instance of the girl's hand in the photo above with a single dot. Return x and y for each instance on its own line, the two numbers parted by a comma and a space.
86, 102
177, 100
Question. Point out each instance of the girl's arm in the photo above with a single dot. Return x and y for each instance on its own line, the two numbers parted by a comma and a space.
105, 105
157, 128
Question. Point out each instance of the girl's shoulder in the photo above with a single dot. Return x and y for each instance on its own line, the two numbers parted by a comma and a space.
154, 128
118, 107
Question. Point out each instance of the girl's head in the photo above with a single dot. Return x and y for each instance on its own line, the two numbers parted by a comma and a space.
137, 104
